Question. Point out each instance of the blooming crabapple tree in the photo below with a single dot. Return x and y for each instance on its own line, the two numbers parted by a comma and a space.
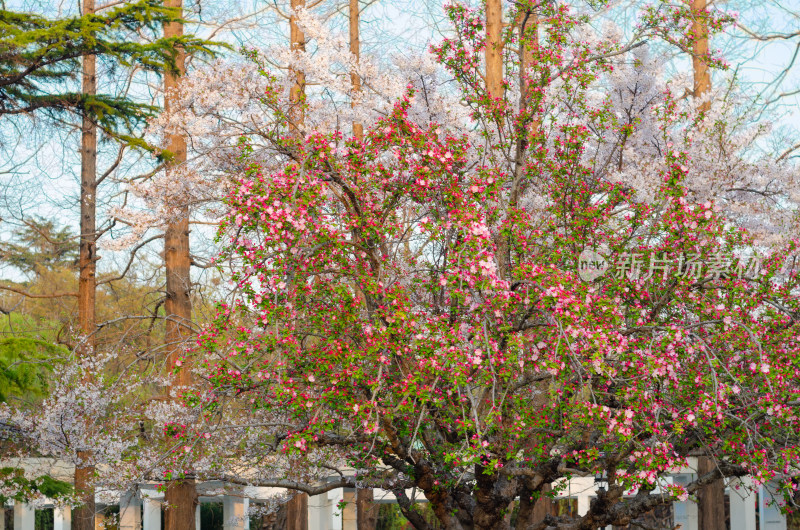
410, 315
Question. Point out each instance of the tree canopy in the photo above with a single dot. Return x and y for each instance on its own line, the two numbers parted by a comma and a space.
39, 59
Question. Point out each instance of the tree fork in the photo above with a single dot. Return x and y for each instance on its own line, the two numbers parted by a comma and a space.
181, 495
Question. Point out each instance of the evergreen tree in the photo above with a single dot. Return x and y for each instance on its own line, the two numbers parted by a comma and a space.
40, 59
40, 244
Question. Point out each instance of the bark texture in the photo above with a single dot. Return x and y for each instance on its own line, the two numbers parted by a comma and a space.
297, 512
297, 94
83, 515
355, 49
181, 495
710, 499
494, 48
366, 510
702, 73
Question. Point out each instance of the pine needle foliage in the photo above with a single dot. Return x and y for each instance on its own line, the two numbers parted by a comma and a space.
40, 59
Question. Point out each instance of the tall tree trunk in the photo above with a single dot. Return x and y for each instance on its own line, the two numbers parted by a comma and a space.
494, 48
355, 49
702, 73
83, 515
494, 87
297, 94
528, 33
181, 495
366, 509
297, 507
297, 512
711, 498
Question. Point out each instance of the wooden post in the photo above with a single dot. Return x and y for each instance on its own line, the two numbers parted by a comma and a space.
297, 512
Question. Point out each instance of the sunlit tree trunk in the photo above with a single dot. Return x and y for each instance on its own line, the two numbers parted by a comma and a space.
83, 515
297, 94
355, 49
702, 73
494, 48
711, 498
181, 495
297, 507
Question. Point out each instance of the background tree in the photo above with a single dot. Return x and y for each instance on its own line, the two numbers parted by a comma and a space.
41, 54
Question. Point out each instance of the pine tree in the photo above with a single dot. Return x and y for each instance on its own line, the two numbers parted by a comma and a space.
40, 60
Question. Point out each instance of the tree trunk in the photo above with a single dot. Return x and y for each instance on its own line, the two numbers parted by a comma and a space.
366, 510
297, 512
181, 495
355, 49
710, 499
87, 259
711, 505
297, 507
297, 93
702, 73
83, 518
494, 48
83, 515
528, 33
181, 503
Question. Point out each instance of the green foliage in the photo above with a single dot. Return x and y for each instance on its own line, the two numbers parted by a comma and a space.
24, 363
39, 57
13, 479
44, 519
391, 518
39, 245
